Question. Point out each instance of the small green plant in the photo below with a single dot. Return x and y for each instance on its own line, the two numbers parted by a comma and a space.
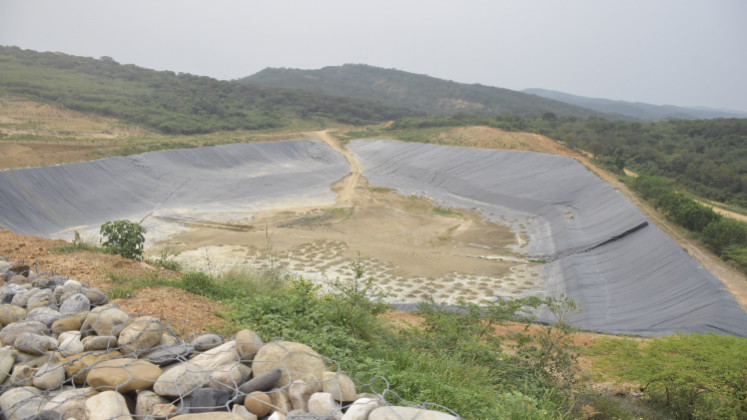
124, 238
166, 260
446, 212
78, 244
550, 352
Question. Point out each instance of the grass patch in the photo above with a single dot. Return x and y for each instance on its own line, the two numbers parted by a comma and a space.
380, 189
695, 376
539, 261
446, 212
128, 284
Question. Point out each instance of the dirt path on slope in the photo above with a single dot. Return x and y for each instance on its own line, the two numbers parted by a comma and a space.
349, 188
735, 281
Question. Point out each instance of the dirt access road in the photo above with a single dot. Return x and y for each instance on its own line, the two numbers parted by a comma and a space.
347, 189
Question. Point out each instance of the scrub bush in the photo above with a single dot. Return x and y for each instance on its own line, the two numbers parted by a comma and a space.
124, 238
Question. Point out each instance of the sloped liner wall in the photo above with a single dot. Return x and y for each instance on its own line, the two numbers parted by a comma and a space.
47, 200
627, 275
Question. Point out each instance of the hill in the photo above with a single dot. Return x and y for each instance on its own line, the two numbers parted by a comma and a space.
418, 92
171, 102
638, 109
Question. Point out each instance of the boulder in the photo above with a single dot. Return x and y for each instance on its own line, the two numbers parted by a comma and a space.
168, 355
299, 393
78, 367
340, 386
180, 380
75, 304
39, 300
20, 403
263, 382
12, 331
71, 346
7, 358
362, 408
23, 375
69, 323
108, 405
67, 334
95, 296
19, 300
107, 320
99, 342
70, 404
248, 344
322, 403
44, 315
207, 342
50, 376
228, 377
407, 413
146, 400
277, 416
32, 360
258, 403
10, 314
123, 375
141, 334
72, 286
295, 360
205, 400
216, 357
32, 343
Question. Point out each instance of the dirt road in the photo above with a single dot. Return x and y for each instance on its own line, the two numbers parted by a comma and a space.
348, 189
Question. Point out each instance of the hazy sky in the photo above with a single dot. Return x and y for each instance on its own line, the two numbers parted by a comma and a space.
688, 53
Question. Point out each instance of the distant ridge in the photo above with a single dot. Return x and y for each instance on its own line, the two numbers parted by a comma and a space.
418, 92
638, 109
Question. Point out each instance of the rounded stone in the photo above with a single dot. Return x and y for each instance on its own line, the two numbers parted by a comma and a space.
207, 342
107, 321
72, 286
99, 342
107, 405
12, 331
11, 313
49, 376
340, 386
75, 304
78, 367
322, 403
46, 316
71, 346
7, 358
20, 403
70, 404
32, 343
179, 380
146, 400
123, 375
258, 403
142, 334
95, 296
248, 344
295, 361
71, 323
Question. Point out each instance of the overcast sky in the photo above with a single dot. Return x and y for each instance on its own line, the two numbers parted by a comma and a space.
683, 52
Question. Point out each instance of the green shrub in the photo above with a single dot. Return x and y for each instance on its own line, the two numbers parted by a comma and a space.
687, 212
735, 253
652, 187
696, 376
723, 233
124, 238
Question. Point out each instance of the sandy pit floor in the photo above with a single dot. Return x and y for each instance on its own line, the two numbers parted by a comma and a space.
412, 249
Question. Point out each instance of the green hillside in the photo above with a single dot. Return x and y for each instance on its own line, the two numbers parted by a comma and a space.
418, 92
172, 102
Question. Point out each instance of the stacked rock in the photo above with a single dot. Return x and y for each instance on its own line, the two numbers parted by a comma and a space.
68, 353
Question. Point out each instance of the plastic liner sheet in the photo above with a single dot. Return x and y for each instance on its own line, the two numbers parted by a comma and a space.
47, 200
629, 277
